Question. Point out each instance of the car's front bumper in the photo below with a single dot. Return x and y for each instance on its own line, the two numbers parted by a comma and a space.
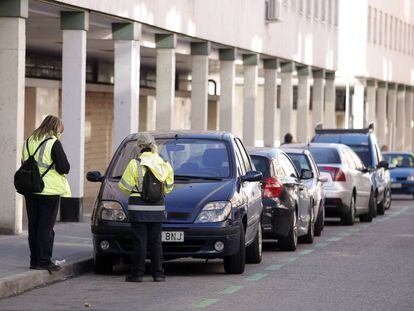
199, 240
402, 187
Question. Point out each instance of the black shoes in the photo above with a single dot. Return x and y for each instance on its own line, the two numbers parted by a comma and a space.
159, 278
133, 278
51, 267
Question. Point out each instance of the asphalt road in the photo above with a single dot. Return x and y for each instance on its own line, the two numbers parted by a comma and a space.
363, 267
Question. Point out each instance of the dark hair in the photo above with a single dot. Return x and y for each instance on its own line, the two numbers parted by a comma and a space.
288, 138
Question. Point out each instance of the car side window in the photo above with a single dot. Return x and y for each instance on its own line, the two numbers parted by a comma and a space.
314, 166
245, 156
348, 159
378, 153
279, 172
357, 160
288, 166
239, 160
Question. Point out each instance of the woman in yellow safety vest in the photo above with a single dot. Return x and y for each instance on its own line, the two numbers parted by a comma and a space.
146, 217
42, 208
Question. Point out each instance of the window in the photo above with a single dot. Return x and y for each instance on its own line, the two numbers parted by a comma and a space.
400, 160
244, 155
262, 164
288, 166
325, 155
301, 162
369, 23
316, 9
239, 159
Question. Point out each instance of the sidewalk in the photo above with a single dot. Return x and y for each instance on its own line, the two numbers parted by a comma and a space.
73, 243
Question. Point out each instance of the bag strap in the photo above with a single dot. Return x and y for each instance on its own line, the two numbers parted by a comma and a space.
48, 169
40, 145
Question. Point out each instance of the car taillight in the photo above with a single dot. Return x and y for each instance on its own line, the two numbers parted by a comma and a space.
336, 173
273, 188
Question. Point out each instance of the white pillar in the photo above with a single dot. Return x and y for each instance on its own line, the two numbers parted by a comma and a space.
392, 103
13, 16
318, 93
358, 106
270, 102
126, 77
74, 26
330, 100
199, 85
250, 62
371, 101
286, 99
408, 118
400, 119
302, 131
381, 124
227, 90
165, 84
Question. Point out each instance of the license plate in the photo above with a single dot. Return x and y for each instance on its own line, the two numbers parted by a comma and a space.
172, 236
396, 185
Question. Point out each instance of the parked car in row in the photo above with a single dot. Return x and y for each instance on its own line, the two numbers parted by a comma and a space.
349, 190
364, 143
214, 210
287, 211
402, 174
306, 165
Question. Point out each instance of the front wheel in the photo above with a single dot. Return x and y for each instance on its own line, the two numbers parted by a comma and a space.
290, 242
308, 238
254, 250
235, 264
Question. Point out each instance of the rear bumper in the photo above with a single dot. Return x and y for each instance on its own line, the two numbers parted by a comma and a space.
337, 202
198, 240
276, 221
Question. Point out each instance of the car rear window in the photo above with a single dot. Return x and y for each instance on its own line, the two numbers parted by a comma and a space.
325, 155
262, 165
363, 153
189, 157
301, 161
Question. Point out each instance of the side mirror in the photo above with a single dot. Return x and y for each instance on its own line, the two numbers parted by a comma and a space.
383, 164
252, 176
306, 174
323, 179
94, 176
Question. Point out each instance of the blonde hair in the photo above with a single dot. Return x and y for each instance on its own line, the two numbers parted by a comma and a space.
51, 125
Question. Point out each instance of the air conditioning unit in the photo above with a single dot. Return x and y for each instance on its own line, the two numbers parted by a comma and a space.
273, 11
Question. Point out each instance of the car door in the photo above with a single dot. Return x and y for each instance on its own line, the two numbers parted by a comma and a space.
363, 183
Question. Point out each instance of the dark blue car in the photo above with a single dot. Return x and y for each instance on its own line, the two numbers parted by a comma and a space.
402, 174
213, 212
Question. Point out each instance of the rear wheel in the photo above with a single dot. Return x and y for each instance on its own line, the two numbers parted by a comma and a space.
349, 218
381, 207
290, 242
319, 221
371, 206
308, 238
254, 250
235, 264
387, 203
103, 265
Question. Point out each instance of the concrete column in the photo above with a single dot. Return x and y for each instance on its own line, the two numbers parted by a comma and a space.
250, 62
358, 106
392, 105
302, 131
330, 100
318, 93
199, 85
381, 123
270, 102
13, 14
400, 119
227, 90
371, 100
408, 118
126, 38
286, 98
74, 26
165, 84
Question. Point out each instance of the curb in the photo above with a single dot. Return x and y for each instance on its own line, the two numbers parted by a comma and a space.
19, 283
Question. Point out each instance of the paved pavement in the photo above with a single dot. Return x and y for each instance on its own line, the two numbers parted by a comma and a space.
364, 267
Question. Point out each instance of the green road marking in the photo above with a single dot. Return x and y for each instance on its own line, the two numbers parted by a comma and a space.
274, 267
291, 259
231, 289
344, 234
321, 244
305, 252
204, 303
335, 238
256, 277
365, 226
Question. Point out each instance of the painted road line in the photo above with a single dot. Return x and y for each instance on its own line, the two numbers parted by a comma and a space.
256, 277
231, 289
290, 259
305, 252
320, 244
274, 267
334, 239
204, 303
344, 234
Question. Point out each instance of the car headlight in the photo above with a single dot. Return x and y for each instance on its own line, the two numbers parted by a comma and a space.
411, 177
214, 212
111, 210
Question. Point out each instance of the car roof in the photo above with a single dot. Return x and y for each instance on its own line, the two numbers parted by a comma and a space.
184, 134
267, 152
343, 138
308, 145
296, 151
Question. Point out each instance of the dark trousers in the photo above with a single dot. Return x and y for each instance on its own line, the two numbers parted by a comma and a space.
147, 234
41, 214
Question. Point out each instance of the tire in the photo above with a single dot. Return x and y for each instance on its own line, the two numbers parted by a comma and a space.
387, 204
254, 250
103, 265
290, 242
235, 264
319, 221
374, 213
308, 238
349, 218
371, 207
381, 208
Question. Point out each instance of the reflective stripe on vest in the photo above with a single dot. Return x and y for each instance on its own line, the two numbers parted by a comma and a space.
140, 175
40, 162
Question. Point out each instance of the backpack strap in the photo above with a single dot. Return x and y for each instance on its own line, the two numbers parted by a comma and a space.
140, 179
47, 170
40, 145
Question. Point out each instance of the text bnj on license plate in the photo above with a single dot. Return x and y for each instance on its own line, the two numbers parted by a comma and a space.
172, 236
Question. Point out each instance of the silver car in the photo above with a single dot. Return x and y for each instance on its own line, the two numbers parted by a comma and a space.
349, 190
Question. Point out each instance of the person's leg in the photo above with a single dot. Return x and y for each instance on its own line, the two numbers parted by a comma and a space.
32, 208
140, 248
48, 208
155, 246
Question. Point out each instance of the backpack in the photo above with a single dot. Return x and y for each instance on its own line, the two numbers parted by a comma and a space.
152, 188
27, 179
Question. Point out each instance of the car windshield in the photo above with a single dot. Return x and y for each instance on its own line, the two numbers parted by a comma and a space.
261, 164
400, 160
300, 161
363, 153
190, 158
325, 155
